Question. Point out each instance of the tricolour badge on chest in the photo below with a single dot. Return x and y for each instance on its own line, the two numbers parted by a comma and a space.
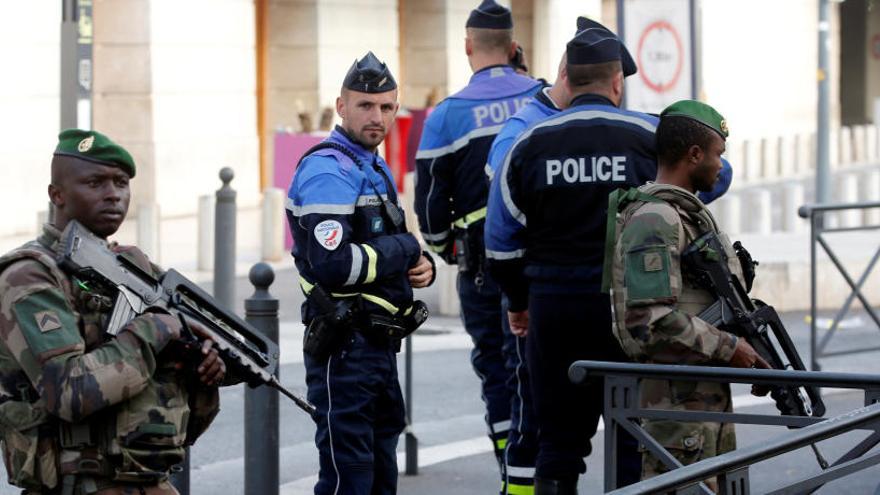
329, 234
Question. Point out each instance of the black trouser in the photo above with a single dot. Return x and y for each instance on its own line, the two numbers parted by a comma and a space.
567, 325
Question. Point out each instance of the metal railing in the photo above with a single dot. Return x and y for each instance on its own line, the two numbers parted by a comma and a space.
623, 410
818, 229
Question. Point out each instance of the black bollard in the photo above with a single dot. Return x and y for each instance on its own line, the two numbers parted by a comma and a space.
261, 404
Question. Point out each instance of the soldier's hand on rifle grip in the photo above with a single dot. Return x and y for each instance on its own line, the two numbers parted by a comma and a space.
745, 356
212, 369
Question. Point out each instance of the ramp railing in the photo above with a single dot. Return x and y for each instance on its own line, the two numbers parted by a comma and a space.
622, 410
818, 236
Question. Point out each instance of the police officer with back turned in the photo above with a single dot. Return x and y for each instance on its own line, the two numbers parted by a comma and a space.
358, 266
545, 244
451, 194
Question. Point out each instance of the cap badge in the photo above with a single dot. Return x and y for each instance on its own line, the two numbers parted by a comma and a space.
723, 126
86, 144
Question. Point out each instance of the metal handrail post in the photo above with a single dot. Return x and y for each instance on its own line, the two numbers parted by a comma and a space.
746, 456
814, 359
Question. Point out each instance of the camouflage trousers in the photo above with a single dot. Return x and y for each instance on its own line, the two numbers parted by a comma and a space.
688, 442
108, 487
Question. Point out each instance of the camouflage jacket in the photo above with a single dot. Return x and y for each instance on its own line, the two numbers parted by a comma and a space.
654, 303
72, 399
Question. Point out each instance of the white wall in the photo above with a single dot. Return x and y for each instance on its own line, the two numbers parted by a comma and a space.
346, 31
29, 109
554, 27
759, 63
204, 100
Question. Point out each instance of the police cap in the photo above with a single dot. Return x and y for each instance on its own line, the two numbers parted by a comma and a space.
698, 112
594, 44
92, 146
369, 75
490, 15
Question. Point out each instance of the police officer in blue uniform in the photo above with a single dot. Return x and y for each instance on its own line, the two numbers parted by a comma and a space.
450, 201
358, 266
545, 236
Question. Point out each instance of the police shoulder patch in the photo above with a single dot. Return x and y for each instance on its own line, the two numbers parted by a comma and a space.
329, 234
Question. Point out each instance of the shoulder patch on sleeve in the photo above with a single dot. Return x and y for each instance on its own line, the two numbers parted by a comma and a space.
329, 234
48, 325
646, 275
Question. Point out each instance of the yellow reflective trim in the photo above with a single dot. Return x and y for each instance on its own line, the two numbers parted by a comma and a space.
439, 248
408, 311
470, 218
378, 300
501, 443
372, 258
387, 306
514, 489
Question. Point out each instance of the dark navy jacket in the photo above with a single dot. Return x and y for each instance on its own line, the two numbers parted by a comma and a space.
451, 185
341, 238
548, 204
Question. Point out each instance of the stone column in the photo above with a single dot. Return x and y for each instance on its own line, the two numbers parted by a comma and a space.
423, 61
123, 86
291, 84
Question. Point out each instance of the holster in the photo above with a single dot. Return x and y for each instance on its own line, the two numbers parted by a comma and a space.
469, 252
387, 329
329, 330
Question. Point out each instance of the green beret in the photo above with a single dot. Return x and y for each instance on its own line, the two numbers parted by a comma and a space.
94, 147
700, 112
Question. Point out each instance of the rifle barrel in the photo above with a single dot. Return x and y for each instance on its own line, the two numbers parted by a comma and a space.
299, 401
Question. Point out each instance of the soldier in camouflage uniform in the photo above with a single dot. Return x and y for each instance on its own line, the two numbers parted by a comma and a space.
81, 412
654, 303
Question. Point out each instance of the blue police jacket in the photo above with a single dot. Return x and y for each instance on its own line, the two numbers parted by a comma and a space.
451, 185
541, 107
342, 239
549, 199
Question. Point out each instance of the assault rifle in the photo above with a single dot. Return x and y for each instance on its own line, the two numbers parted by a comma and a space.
735, 312
246, 351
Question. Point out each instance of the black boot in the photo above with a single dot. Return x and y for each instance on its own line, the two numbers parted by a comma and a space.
555, 487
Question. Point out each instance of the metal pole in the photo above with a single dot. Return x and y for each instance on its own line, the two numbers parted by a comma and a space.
76, 64
261, 465
224, 277
224, 241
823, 152
411, 443
814, 223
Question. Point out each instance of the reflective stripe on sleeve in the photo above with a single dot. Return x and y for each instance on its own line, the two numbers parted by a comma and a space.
470, 218
505, 255
458, 143
357, 260
372, 259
